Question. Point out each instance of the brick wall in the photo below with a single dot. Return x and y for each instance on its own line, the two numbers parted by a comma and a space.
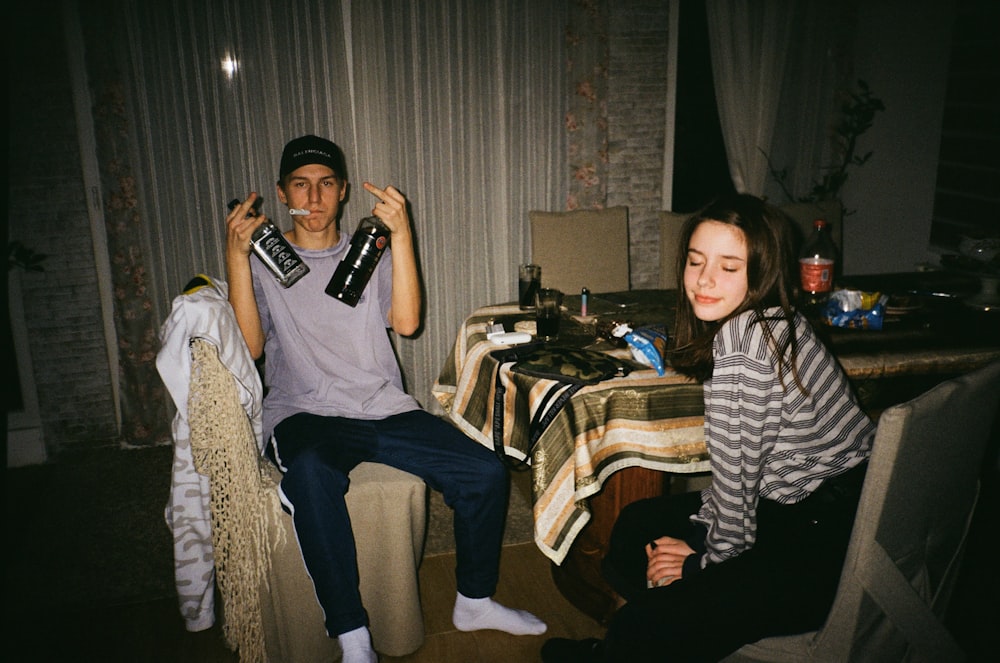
47, 212
636, 121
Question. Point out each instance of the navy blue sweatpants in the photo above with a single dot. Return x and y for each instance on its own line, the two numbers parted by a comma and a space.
316, 454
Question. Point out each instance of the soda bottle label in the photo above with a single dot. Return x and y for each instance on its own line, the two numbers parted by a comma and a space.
816, 274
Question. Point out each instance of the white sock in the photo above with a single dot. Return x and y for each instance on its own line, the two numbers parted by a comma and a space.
485, 613
357, 646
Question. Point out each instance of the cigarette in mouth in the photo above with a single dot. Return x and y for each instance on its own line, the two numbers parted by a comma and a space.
298, 212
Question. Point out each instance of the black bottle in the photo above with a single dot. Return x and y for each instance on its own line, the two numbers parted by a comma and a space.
354, 271
274, 250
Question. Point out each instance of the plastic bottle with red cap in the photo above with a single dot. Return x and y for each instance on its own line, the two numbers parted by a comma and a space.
817, 261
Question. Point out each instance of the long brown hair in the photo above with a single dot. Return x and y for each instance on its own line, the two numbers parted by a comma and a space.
771, 283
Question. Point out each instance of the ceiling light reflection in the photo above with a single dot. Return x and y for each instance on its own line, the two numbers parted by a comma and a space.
229, 66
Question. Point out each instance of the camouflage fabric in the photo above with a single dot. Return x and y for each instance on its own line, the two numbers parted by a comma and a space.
575, 366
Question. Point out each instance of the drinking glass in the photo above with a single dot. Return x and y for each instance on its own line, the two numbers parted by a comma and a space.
529, 279
548, 308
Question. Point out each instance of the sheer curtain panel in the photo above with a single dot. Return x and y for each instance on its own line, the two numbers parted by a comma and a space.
775, 65
458, 103
749, 45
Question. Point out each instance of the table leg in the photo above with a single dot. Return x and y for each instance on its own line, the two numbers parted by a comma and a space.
579, 578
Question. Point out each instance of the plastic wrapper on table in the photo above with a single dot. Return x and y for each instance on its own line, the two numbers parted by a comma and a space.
648, 345
855, 309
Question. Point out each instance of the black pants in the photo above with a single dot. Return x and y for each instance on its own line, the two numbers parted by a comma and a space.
784, 585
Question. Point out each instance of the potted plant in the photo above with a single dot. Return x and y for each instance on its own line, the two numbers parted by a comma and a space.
857, 114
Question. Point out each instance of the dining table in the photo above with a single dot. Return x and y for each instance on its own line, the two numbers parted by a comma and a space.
633, 435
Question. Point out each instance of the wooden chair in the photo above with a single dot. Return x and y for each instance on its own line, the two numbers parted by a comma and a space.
582, 249
909, 535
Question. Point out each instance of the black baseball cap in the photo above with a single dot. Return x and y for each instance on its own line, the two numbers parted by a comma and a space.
309, 149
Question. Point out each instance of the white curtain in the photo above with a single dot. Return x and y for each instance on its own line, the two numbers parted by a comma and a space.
458, 103
773, 65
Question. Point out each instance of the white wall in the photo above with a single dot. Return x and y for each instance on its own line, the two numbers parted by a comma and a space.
902, 51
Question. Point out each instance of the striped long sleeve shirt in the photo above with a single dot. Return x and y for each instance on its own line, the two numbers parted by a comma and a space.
766, 438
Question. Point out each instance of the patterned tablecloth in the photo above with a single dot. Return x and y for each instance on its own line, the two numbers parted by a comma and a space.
656, 421
641, 419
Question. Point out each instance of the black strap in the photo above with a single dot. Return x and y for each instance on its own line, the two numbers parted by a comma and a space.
546, 413
543, 416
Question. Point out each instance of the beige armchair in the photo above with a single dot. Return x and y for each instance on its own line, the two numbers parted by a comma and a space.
269, 606
909, 535
582, 249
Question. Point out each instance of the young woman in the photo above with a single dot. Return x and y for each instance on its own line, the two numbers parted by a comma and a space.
759, 552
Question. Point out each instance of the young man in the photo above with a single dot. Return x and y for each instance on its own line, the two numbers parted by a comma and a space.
335, 397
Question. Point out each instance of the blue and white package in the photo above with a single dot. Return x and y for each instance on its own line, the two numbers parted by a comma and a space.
648, 345
855, 309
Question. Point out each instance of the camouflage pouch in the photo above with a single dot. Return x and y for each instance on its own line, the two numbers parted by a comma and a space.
570, 365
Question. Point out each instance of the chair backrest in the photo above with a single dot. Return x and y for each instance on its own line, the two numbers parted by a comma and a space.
913, 518
670, 240
805, 214
909, 535
582, 249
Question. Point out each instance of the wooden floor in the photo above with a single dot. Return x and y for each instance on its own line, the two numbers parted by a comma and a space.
525, 582
153, 632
